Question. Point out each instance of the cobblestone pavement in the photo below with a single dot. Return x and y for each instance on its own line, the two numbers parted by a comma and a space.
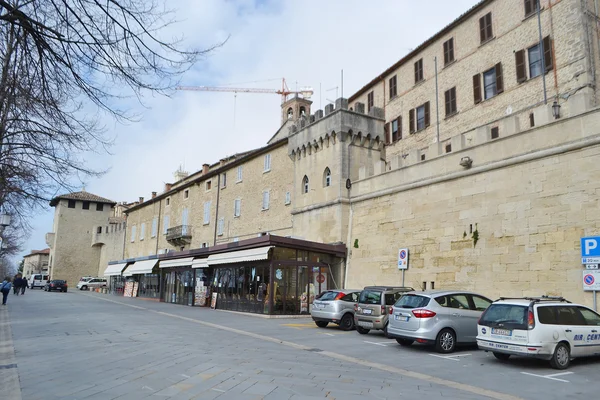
81, 345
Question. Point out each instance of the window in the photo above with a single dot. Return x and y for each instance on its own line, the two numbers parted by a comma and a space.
531, 120
495, 132
86, 205
223, 179
493, 83
99, 207
327, 177
591, 318
536, 55
489, 83
305, 184
221, 226
290, 113
419, 71
423, 157
418, 118
485, 27
237, 206
370, 101
154, 226
396, 130
448, 51
448, 148
99, 229
168, 201
480, 303
458, 301
71, 204
531, 6
288, 198
142, 231
569, 315
186, 193
547, 315
267, 163
133, 234
206, 213
450, 99
165, 224
393, 87
208, 185
184, 221
239, 173
535, 61
265, 200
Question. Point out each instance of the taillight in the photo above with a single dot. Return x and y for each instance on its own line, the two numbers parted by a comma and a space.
391, 310
530, 320
382, 310
339, 296
422, 313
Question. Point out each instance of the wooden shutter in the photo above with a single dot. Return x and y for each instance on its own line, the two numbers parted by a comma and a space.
451, 50
426, 106
417, 72
547, 43
477, 88
482, 29
521, 69
399, 127
447, 102
528, 7
488, 21
386, 132
411, 121
499, 80
446, 56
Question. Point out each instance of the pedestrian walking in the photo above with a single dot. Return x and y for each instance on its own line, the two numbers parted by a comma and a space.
24, 285
16, 284
5, 289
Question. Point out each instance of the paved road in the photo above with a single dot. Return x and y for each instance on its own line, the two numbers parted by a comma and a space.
81, 345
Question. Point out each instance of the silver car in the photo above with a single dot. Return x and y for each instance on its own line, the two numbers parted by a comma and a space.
441, 318
336, 306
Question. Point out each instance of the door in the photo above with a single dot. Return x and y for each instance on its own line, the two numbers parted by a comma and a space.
477, 305
574, 328
458, 313
592, 320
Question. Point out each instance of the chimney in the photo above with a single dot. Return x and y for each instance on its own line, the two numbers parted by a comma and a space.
168, 186
153, 194
141, 200
205, 168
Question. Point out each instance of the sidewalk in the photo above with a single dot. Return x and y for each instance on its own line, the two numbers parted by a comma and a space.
9, 373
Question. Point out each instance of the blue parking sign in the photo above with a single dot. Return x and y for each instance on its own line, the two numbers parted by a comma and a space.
590, 246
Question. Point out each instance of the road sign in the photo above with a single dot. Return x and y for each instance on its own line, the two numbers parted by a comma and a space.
590, 260
403, 259
591, 280
590, 246
591, 266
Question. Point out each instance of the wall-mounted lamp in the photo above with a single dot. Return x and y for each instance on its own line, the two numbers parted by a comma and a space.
466, 162
556, 110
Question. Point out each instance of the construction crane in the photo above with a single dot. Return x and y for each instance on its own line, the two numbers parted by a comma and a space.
284, 91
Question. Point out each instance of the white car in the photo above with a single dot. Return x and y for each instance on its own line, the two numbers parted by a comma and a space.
38, 280
91, 283
549, 328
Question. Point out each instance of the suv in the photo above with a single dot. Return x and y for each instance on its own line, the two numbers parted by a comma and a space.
441, 318
549, 328
335, 306
91, 283
374, 304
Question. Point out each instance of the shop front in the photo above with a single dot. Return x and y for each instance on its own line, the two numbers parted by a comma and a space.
116, 282
142, 279
177, 279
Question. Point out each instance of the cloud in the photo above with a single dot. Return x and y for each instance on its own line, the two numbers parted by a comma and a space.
308, 42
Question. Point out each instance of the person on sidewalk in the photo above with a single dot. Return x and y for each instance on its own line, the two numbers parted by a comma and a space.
16, 284
5, 289
24, 285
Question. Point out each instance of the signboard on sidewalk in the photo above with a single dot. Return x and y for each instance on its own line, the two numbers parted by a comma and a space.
403, 259
591, 280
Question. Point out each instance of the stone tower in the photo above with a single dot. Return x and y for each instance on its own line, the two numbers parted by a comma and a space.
294, 108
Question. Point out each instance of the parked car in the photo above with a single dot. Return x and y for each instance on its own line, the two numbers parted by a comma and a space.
441, 318
372, 309
56, 284
91, 283
335, 306
548, 328
38, 280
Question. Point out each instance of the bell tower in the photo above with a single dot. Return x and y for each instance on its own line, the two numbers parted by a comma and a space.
294, 108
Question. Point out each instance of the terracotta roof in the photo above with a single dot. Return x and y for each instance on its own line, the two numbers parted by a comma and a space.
480, 5
82, 196
34, 252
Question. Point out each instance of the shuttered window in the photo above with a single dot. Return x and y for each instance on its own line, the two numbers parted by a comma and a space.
393, 86
396, 129
221, 226
547, 45
419, 71
237, 207
166, 221
142, 231
154, 226
239, 174
265, 200
267, 166
520, 63
531, 6
133, 234
535, 61
448, 51
450, 100
206, 220
411, 121
477, 88
370, 101
422, 116
485, 27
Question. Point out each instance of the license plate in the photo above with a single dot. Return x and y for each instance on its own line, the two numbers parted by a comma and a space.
365, 324
503, 332
368, 312
401, 318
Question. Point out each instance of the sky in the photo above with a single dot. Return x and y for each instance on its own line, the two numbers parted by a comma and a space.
307, 42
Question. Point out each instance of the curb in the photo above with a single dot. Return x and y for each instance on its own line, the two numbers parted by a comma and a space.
9, 372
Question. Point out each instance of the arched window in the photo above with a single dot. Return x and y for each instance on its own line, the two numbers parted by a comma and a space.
290, 113
327, 177
302, 111
305, 184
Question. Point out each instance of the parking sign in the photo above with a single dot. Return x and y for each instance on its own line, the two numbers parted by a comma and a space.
590, 250
403, 259
591, 280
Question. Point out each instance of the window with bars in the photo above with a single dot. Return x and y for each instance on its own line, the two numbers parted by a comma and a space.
370, 101
448, 51
485, 28
237, 207
419, 71
419, 118
265, 200
393, 86
450, 100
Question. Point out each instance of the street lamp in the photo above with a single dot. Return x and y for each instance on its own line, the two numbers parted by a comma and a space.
556, 110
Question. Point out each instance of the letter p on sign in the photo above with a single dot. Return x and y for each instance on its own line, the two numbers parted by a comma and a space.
589, 247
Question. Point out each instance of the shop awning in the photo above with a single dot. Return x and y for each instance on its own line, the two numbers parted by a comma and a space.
114, 269
140, 267
180, 262
261, 253
200, 263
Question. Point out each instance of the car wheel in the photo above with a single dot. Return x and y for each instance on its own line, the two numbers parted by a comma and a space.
404, 342
84, 287
501, 356
445, 341
361, 330
347, 322
561, 357
321, 324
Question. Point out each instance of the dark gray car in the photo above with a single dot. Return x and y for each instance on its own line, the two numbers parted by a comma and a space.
374, 305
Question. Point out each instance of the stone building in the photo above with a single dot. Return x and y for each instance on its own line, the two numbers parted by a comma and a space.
36, 262
476, 152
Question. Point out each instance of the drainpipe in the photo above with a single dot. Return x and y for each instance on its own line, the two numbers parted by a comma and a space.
437, 103
217, 208
541, 51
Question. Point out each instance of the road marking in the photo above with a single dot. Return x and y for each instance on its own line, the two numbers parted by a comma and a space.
453, 357
378, 344
218, 390
341, 357
552, 377
328, 334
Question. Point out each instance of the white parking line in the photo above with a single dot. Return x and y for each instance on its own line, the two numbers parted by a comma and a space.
552, 376
454, 357
378, 344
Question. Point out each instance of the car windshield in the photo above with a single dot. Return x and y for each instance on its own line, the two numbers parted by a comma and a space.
511, 316
328, 296
412, 301
370, 297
